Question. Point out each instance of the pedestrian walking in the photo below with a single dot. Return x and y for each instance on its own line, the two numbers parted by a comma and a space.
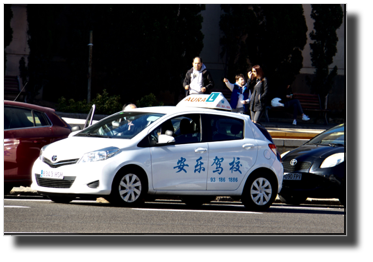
241, 94
198, 79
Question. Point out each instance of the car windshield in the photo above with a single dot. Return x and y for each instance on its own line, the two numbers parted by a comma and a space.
121, 125
333, 137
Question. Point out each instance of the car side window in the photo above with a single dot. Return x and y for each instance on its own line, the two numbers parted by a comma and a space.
185, 129
221, 128
41, 119
17, 118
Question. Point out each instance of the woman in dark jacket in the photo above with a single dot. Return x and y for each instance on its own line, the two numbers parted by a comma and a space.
259, 86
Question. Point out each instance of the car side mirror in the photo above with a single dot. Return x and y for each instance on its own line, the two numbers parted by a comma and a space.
167, 138
73, 133
76, 128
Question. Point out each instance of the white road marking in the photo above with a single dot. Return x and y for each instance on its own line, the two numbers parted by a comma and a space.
200, 211
16, 207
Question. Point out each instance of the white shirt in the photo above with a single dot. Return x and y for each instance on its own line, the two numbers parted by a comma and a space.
196, 81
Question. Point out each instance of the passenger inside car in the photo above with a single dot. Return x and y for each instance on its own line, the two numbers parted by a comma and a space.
187, 133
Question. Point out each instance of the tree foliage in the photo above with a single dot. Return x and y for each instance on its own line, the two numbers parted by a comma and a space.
272, 36
328, 18
104, 103
8, 31
137, 49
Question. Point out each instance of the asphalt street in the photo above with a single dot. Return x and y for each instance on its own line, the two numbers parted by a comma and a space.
41, 216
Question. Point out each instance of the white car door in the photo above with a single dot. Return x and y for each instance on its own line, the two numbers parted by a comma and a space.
232, 151
180, 166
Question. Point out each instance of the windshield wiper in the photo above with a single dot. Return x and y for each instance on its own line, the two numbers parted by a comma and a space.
335, 144
328, 144
93, 135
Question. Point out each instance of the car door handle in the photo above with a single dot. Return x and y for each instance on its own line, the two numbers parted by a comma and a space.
248, 146
200, 150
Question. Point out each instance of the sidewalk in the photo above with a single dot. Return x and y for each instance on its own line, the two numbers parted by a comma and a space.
288, 137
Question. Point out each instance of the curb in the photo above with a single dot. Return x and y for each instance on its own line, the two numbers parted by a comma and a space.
291, 135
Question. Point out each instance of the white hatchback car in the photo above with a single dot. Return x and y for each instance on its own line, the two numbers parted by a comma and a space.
185, 150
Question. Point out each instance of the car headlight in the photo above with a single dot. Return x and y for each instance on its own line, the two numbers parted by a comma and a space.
42, 151
284, 154
99, 155
333, 160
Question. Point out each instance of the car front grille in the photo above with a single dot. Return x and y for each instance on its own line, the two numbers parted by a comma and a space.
300, 166
60, 163
66, 182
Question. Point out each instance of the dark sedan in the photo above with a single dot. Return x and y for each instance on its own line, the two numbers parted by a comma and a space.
316, 169
27, 128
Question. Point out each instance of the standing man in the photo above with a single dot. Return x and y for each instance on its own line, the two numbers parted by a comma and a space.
198, 80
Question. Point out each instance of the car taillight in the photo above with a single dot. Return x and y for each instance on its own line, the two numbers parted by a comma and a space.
274, 150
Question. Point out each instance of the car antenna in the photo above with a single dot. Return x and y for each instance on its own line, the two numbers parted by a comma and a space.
21, 91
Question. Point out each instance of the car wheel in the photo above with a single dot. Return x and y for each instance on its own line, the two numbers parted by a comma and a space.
342, 193
129, 188
259, 193
7, 189
292, 199
62, 200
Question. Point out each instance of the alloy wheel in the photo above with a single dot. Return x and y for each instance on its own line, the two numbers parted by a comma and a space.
130, 188
261, 191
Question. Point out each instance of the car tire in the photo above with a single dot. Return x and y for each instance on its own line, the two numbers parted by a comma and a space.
292, 199
260, 191
342, 193
129, 188
61, 199
7, 189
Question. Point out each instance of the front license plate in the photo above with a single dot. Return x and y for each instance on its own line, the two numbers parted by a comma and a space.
51, 174
293, 176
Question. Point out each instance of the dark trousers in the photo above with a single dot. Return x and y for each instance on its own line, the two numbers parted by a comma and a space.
256, 115
296, 107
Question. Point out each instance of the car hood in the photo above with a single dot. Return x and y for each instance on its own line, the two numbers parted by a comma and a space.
76, 147
311, 152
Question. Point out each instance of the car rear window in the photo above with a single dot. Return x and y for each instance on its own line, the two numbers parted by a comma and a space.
41, 119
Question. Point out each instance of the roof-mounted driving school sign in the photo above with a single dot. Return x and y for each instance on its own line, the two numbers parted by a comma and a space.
215, 100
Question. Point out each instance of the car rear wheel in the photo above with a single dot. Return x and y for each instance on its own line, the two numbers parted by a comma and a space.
260, 192
7, 189
129, 188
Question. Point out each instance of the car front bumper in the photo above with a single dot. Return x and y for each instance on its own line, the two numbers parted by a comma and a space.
91, 179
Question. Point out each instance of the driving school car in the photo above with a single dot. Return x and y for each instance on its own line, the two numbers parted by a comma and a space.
196, 150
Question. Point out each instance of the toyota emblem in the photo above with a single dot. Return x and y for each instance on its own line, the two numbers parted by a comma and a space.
293, 162
54, 158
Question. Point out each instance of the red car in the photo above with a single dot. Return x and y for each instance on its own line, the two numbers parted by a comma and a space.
27, 128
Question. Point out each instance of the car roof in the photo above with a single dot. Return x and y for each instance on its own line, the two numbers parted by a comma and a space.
27, 105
